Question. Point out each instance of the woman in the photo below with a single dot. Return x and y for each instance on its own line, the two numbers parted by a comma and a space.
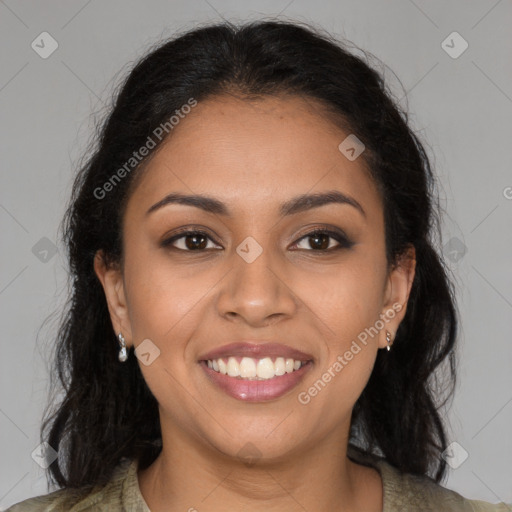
258, 307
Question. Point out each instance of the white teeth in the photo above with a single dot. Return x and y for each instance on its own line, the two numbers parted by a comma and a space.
255, 369
265, 368
248, 368
233, 367
223, 368
279, 366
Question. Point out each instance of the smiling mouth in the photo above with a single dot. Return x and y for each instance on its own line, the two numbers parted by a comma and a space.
249, 368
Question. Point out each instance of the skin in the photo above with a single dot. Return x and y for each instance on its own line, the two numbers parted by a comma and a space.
253, 156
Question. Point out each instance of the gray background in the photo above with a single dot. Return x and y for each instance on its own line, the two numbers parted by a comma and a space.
461, 107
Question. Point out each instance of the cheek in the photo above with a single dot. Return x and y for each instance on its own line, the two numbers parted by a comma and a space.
344, 304
158, 295
345, 300
159, 306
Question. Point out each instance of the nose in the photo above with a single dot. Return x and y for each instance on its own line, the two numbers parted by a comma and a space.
256, 292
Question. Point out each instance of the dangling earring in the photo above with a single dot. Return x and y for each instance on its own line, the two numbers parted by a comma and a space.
388, 339
123, 355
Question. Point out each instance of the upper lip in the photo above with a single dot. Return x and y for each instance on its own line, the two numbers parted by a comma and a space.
256, 350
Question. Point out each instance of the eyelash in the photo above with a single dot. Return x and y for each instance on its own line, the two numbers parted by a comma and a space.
344, 242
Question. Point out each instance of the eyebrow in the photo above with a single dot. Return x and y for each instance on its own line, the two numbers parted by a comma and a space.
293, 206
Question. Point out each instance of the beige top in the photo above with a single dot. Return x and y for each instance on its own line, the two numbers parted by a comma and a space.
402, 492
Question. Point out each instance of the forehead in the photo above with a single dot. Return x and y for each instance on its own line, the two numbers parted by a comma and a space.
254, 153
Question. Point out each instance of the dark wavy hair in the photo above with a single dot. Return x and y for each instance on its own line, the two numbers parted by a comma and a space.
107, 412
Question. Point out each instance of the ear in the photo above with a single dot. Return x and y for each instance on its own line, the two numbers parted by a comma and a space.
398, 288
113, 285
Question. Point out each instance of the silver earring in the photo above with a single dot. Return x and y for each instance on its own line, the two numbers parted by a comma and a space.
123, 355
388, 339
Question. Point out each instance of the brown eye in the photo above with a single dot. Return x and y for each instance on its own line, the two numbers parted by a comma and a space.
189, 241
319, 240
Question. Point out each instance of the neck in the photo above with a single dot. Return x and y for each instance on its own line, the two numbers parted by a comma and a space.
192, 476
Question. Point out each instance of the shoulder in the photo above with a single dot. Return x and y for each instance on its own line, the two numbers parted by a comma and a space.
404, 492
413, 492
112, 496
56, 501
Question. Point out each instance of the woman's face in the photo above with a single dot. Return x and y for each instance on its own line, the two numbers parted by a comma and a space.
253, 276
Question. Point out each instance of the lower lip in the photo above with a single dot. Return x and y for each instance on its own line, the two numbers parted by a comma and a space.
256, 390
